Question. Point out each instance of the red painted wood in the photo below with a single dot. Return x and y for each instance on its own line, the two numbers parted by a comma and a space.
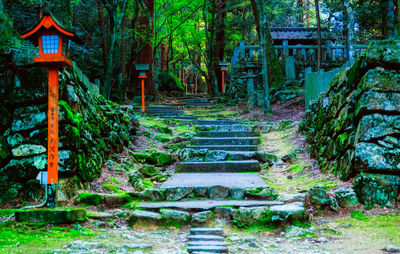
52, 141
143, 98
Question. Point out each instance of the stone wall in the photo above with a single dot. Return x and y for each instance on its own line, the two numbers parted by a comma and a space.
91, 129
354, 128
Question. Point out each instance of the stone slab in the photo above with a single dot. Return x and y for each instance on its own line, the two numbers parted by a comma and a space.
219, 166
231, 127
205, 238
56, 215
227, 134
215, 122
226, 141
204, 243
207, 231
231, 180
212, 249
208, 204
227, 147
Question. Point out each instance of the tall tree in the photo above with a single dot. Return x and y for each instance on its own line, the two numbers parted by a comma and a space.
220, 41
275, 74
145, 55
350, 33
319, 53
116, 12
263, 26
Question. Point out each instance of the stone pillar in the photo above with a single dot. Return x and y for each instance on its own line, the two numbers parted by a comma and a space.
250, 89
290, 68
285, 50
242, 49
96, 88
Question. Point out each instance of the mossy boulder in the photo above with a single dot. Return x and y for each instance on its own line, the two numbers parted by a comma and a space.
169, 81
57, 215
149, 170
89, 199
161, 159
9, 190
377, 189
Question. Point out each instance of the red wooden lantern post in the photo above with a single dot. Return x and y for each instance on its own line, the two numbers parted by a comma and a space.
52, 40
142, 68
223, 69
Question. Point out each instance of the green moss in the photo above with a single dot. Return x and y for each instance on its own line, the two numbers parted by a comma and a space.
89, 198
298, 168
162, 138
160, 158
140, 157
7, 212
29, 239
111, 187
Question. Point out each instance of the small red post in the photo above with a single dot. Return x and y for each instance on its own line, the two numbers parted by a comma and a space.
143, 97
52, 142
223, 81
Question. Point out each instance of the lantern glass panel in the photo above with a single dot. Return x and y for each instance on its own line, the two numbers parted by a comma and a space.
50, 44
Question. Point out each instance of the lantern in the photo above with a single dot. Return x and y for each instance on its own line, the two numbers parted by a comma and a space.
53, 42
223, 69
142, 68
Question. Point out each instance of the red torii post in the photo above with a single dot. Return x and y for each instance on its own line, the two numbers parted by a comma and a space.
143, 68
53, 42
223, 69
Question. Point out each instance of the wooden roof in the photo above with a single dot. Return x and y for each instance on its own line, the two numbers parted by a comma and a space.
298, 33
46, 23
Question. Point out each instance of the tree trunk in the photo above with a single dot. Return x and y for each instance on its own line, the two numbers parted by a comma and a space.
123, 48
103, 30
275, 74
164, 57
308, 12
301, 14
350, 29
145, 56
319, 54
220, 42
264, 29
390, 19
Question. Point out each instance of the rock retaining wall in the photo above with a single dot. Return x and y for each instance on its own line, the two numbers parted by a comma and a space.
355, 126
91, 129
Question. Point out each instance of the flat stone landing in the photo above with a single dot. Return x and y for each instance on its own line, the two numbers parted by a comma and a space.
230, 180
208, 204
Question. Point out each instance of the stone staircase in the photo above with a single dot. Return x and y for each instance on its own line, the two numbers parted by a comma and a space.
206, 240
224, 183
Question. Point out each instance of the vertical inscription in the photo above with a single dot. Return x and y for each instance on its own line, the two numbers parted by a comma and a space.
52, 141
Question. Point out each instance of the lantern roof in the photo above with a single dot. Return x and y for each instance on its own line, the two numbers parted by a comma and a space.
48, 22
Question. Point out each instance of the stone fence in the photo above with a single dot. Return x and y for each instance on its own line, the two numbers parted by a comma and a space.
318, 82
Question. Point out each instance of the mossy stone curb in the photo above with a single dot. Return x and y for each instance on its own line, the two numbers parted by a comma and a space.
56, 215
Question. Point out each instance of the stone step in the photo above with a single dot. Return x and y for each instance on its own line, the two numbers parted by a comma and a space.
229, 180
215, 122
209, 249
227, 134
161, 107
207, 231
225, 127
218, 166
204, 243
227, 147
226, 141
179, 117
203, 205
205, 238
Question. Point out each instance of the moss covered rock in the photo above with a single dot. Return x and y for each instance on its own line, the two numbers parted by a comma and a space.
57, 215
161, 159
377, 189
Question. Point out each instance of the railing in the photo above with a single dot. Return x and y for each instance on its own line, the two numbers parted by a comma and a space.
304, 53
308, 53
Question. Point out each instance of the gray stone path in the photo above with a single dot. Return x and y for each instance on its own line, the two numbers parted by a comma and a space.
206, 240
